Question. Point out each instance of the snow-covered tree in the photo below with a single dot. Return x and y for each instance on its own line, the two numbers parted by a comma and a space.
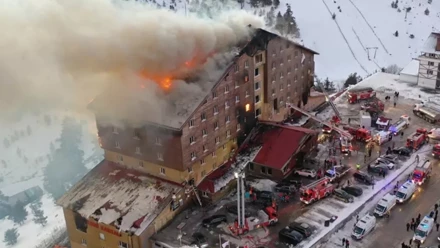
11, 236
270, 17
352, 79
254, 3
426, 11
18, 213
280, 24
276, 3
39, 217
291, 27
429, 1
393, 69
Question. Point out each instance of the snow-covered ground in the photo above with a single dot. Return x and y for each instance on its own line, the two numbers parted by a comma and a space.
32, 234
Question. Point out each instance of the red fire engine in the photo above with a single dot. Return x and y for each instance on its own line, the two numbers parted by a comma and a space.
421, 173
360, 93
436, 151
417, 139
361, 134
266, 217
316, 190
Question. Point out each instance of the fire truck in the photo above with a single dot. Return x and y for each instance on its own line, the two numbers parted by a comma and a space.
358, 133
374, 107
316, 190
266, 217
417, 139
436, 151
421, 173
382, 137
400, 124
357, 94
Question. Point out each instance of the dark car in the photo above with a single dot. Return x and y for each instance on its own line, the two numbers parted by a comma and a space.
390, 158
292, 182
403, 151
353, 190
342, 195
303, 228
363, 177
233, 210
377, 169
199, 240
290, 237
214, 220
264, 198
285, 188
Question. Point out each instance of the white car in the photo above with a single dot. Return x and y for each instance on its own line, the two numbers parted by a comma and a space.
305, 173
385, 162
434, 134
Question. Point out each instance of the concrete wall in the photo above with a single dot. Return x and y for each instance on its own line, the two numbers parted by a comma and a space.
407, 78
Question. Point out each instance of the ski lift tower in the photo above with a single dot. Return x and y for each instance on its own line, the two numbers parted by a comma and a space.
240, 199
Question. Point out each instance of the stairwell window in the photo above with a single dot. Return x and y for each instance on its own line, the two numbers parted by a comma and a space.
226, 89
215, 110
162, 171
191, 123
227, 119
192, 140
215, 125
160, 156
123, 244
193, 156
203, 117
117, 145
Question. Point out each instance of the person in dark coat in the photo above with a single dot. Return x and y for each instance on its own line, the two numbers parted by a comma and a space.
347, 243
437, 225
410, 242
403, 245
407, 227
343, 241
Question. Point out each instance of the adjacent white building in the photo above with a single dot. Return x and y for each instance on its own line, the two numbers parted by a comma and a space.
410, 74
429, 66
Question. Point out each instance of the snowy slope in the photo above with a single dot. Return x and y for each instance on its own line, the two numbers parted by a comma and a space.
363, 23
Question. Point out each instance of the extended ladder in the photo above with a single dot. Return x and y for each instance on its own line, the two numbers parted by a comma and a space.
194, 189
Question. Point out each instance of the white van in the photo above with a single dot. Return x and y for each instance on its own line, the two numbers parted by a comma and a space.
363, 226
405, 191
424, 229
385, 205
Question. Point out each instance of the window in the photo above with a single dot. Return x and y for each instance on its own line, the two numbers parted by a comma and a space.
158, 141
247, 93
296, 53
136, 133
236, 68
256, 72
273, 91
430, 72
138, 150
281, 61
248, 107
288, 82
84, 242
115, 130
203, 117
281, 74
296, 67
193, 156
289, 69
227, 77
203, 173
101, 236
141, 163
228, 133
214, 165
238, 127
123, 244
251, 166
246, 64
227, 119
204, 132
227, 104
202, 161
226, 89
191, 123
215, 125
259, 58
162, 171
289, 57
213, 154
205, 149
236, 84
263, 169
237, 98
257, 85
281, 87
214, 94
217, 140
189, 169
215, 110
257, 112
269, 171
295, 78
117, 145
274, 78
273, 65
205, 194
159, 156
257, 98
192, 140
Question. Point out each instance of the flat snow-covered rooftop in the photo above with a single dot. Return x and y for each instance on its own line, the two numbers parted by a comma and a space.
431, 43
412, 68
110, 192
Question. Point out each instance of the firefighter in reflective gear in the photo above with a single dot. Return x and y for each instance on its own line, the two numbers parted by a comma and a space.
358, 167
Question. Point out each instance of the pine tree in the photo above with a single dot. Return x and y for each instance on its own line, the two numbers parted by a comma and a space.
254, 3
280, 24
270, 18
276, 3
352, 80
291, 27
426, 11
18, 213
38, 213
11, 236
67, 164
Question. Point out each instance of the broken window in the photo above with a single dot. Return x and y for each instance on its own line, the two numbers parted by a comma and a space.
80, 223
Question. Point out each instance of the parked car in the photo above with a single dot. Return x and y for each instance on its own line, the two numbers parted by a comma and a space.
264, 198
353, 190
383, 162
403, 151
377, 169
233, 210
305, 173
434, 134
199, 240
214, 220
363, 177
343, 196
392, 158
285, 188
296, 183
290, 237
303, 228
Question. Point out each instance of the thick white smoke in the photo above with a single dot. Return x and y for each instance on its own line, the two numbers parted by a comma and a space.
62, 53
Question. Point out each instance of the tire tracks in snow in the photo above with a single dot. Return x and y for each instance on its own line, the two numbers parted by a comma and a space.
371, 28
343, 36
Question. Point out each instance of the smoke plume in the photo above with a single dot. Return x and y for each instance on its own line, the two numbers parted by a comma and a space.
63, 53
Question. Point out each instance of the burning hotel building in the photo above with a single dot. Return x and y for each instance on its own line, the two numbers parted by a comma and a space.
153, 170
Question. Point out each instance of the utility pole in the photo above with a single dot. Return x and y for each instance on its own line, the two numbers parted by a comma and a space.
240, 200
368, 52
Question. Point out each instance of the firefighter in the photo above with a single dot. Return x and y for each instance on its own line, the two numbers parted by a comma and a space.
358, 167
417, 158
